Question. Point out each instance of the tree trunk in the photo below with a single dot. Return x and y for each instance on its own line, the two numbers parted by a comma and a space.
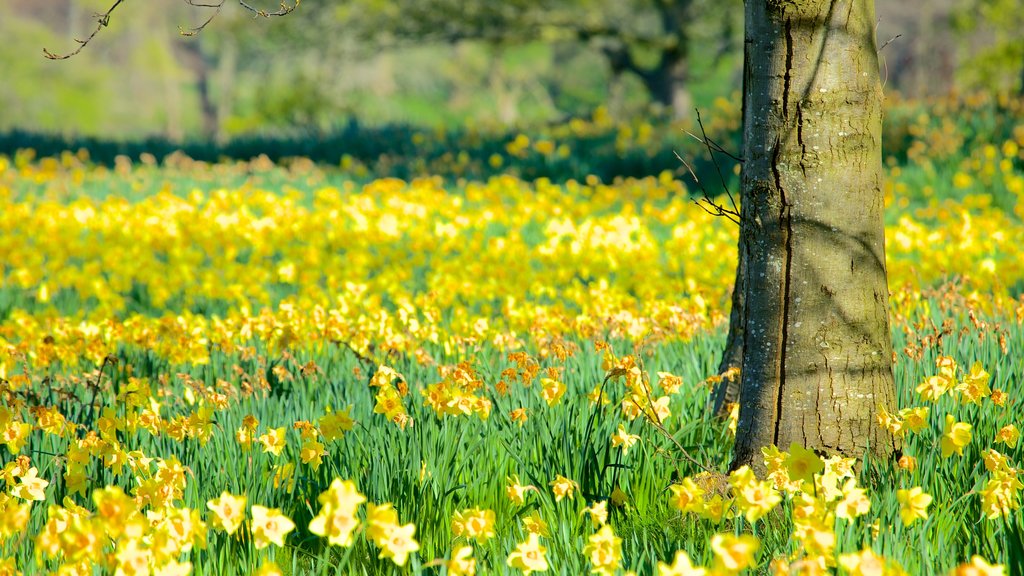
1022, 77
732, 357
199, 65
667, 83
817, 354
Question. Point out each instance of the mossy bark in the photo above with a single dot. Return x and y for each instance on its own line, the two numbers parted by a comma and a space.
817, 354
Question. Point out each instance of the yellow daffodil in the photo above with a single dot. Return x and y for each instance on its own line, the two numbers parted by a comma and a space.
978, 567
1008, 435
462, 562
598, 513
474, 523
734, 553
228, 511
273, 441
623, 439
955, 437
562, 487
913, 504
529, 556
398, 543
863, 563
802, 463
604, 550
269, 526
681, 566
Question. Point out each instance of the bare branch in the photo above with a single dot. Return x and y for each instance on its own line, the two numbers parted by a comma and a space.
718, 168
709, 205
284, 9
705, 202
197, 29
889, 41
102, 20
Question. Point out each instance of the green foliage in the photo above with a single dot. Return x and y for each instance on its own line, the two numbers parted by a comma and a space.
997, 62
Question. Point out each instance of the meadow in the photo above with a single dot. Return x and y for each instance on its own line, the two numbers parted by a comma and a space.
284, 367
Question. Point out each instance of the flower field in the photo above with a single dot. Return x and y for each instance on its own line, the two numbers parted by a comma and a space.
250, 367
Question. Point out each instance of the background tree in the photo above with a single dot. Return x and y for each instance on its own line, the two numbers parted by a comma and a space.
817, 361
650, 39
991, 33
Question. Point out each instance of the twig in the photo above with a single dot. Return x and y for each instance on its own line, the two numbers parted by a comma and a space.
718, 168
656, 420
889, 41
709, 205
108, 359
715, 209
102, 20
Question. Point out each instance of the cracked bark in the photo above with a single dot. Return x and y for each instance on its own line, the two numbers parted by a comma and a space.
817, 353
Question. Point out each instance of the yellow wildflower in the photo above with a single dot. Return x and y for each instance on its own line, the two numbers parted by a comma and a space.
604, 550
975, 385
908, 463
955, 437
333, 425
598, 513
269, 568
273, 441
681, 566
312, 453
462, 562
978, 567
687, 496
855, 502
913, 504
399, 543
337, 517
474, 523
624, 439
269, 526
802, 463
30, 486
529, 556
915, 419
534, 524
863, 563
515, 491
562, 487
754, 498
1008, 435
551, 390
228, 511
734, 553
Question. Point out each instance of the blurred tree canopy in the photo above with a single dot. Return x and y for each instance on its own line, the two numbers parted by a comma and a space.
993, 31
471, 63
650, 39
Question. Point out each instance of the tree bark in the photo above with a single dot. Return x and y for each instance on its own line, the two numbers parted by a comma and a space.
817, 354
728, 390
